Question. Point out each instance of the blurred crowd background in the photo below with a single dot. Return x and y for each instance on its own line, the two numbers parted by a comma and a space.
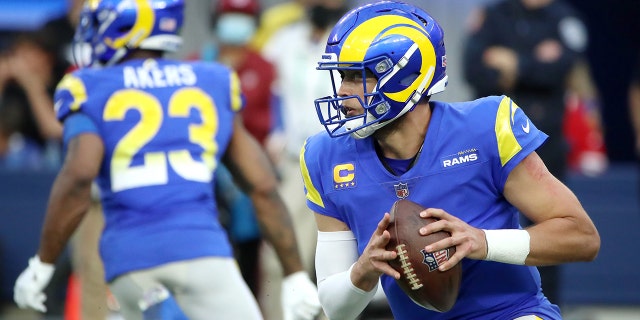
603, 155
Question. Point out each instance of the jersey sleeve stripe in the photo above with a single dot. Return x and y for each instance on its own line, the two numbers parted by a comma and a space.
312, 193
508, 145
236, 99
76, 88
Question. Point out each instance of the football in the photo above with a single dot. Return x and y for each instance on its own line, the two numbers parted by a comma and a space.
420, 278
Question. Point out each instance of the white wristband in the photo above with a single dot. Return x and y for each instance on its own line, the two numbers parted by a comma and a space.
507, 245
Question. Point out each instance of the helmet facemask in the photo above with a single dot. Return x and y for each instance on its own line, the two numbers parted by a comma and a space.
81, 50
331, 111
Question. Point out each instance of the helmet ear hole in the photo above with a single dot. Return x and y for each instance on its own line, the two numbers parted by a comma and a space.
424, 21
408, 80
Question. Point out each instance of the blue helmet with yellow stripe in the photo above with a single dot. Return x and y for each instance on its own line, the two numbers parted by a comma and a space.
401, 45
109, 29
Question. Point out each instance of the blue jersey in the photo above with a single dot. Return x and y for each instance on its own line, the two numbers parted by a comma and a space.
164, 125
469, 150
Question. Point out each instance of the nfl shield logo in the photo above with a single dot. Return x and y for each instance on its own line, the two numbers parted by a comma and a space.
402, 190
435, 259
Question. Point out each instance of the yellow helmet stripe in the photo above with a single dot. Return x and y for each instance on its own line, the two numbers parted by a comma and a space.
141, 29
358, 41
93, 4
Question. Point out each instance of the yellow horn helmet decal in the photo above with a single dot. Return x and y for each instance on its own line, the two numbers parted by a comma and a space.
141, 29
359, 40
93, 4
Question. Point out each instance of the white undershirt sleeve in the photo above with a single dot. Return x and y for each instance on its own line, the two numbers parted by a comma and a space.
336, 252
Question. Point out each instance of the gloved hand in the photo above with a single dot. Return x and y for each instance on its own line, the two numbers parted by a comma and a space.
299, 297
27, 292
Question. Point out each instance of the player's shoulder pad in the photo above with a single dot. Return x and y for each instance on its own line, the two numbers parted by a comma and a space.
480, 112
222, 77
70, 94
314, 158
321, 151
320, 145
501, 118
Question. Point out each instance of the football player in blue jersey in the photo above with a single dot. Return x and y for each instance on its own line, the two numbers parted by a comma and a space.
472, 164
151, 132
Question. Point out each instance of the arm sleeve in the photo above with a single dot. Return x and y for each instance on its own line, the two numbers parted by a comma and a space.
76, 124
336, 253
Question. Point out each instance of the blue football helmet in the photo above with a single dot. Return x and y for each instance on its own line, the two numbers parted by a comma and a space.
110, 29
401, 45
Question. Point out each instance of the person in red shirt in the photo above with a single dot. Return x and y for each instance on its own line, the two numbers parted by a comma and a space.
234, 25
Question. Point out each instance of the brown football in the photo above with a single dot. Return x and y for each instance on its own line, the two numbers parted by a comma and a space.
420, 278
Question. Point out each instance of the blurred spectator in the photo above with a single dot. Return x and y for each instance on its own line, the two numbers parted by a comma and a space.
29, 70
31, 64
582, 125
16, 150
277, 17
295, 50
234, 25
526, 49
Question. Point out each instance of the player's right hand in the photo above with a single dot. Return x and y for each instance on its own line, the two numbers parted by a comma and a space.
374, 260
27, 292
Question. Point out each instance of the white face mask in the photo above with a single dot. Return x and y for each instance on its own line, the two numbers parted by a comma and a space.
235, 28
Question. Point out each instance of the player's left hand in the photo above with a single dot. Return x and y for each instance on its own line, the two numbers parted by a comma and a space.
470, 242
27, 292
299, 297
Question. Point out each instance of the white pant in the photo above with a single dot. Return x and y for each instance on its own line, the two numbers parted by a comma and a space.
203, 288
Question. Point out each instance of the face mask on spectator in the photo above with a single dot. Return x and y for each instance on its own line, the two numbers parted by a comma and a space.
235, 28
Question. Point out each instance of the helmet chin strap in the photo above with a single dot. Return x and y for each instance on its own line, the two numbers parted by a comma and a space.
354, 123
362, 132
117, 56
162, 42
438, 86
